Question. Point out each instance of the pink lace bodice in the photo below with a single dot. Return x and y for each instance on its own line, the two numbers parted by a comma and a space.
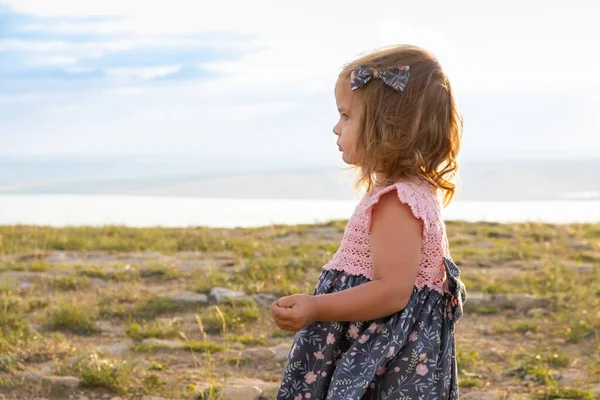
354, 253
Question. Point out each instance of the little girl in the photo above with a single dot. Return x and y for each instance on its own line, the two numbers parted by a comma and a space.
380, 324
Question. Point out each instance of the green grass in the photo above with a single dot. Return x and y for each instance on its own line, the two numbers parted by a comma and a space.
238, 315
70, 317
123, 274
201, 347
532, 258
561, 392
100, 372
246, 339
159, 330
540, 366
155, 306
468, 362
157, 367
518, 326
8, 383
68, 282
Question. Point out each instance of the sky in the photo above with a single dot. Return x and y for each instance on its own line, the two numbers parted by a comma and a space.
255, 79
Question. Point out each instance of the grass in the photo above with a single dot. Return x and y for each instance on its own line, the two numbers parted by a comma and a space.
468, 361
201, 347
100, 372
155, 306
531, 258
70, 317
68, 283
238, 314
246, 339
124, 274
519, 326
159, 330
564, 393
541, 367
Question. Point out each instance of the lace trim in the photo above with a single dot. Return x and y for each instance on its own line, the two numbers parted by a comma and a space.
354, 253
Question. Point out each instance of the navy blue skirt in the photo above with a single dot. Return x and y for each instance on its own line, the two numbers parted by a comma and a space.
408, 355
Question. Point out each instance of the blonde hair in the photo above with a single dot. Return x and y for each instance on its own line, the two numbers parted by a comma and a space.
412, 134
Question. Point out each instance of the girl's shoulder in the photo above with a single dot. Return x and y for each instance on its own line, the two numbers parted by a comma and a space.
422, 198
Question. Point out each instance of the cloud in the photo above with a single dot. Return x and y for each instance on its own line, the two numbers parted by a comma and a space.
46, 54
183, 76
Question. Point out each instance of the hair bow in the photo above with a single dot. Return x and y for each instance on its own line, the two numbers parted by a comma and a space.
396, 78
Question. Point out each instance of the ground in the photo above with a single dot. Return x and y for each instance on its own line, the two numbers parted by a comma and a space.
115, 312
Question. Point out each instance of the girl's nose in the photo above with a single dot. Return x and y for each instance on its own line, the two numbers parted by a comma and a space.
336, 130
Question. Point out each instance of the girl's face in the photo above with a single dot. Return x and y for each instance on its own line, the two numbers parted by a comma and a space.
346, 129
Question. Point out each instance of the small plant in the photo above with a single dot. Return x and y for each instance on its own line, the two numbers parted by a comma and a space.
68, 282
152, 383
95, 372
72, 318
246, 339
157, 367
236, 315
155, 306
561, 392
160, 330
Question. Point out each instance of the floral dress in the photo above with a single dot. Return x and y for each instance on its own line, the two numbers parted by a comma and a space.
407, 355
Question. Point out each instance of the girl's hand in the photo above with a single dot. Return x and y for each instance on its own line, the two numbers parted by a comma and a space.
295, 312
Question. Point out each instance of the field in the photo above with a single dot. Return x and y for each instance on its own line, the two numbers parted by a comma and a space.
123, 313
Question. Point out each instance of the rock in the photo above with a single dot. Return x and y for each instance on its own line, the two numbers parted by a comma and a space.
152, 254
83, 398
581, 268
249, 382
97, 282
260, 353
67, 381
518, 301
555, 374
20, 276
281, 351
266, 299
25, 285
596, 390
231, 392
166, 344
46, 368
32, 375
537, 312
190, 298
221, 295
116, 349
494, 354
153, 398
110, 328
481, 395
571, 377
270, 391
57, 257
192, 265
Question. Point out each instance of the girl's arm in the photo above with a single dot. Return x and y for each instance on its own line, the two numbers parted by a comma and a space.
395, 253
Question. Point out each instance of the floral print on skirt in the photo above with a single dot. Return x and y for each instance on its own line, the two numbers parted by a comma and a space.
408, 355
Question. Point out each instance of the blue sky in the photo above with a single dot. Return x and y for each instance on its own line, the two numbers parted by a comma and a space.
255, 79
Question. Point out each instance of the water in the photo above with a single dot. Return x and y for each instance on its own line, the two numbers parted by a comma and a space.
146, 211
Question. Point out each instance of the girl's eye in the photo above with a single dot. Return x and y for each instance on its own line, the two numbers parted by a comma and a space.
344, 116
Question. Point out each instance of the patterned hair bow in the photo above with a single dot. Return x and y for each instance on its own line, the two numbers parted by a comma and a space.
396, 78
